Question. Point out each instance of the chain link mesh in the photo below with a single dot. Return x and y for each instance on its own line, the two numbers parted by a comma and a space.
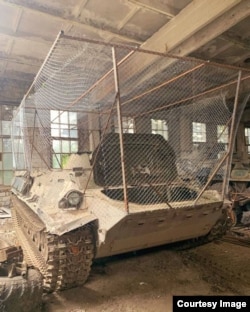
173, 113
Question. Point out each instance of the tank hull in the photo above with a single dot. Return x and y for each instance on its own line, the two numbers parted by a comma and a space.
62, 242
123, 232
154, 228
152, 225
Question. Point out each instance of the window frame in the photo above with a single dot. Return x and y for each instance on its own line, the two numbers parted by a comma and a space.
202, 134
63, 131
157, 127
127, 121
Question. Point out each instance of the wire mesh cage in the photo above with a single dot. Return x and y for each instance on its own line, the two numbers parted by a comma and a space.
157, 129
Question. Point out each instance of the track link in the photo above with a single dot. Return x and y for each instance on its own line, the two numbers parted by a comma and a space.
65, 261
76, 252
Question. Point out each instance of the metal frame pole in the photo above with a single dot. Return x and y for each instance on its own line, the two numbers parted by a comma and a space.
237, 114
119, 117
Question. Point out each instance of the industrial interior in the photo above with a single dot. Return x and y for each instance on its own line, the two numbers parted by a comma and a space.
125, 126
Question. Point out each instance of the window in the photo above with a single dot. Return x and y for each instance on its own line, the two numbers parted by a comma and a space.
222, 134
199, 132
247, 139
64, 136
127, 125
159, 126
6, 159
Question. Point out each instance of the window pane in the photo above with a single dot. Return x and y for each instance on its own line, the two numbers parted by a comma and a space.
7, 145
64, 132
159, 126
64, 127
64, 118
7, 177
55, 130
57, 146
247, 139
199, 132
247, 132
222, 134
54, 116
7, 161
73, 133
56, 159
127, 124
65, 147
6, 126
74, 146
72, 118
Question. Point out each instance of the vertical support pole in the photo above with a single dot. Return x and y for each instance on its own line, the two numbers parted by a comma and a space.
233, 130
33, 139
94, 137
119, 118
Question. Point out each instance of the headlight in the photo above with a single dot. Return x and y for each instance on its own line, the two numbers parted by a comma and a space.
72, 199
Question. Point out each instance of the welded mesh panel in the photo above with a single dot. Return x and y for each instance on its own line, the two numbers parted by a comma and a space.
156, 133
184, 103
23, 140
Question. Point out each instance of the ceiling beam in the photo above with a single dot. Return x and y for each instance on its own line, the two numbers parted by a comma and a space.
9, 102
15, 26
18, 19
189, 21
30, 38
214, 29
211, 51
105, 34
127, 17
18, 75
180, 30
241, 60
31, 62
242, 43
8, 50
156, 6
76, 11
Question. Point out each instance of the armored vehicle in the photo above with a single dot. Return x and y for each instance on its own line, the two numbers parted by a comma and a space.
67, 227
100, 144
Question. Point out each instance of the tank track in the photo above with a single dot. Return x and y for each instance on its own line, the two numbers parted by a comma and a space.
64, 261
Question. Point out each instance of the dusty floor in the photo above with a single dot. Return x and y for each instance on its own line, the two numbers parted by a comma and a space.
147, 280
